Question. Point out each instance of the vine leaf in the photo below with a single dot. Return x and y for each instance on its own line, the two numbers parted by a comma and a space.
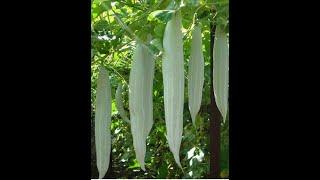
161, 15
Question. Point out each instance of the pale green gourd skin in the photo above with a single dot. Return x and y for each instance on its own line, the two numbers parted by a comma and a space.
119, 104
141, 100
221, 71
103, 122
196, 74
173, 81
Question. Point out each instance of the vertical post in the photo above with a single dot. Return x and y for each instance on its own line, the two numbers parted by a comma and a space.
215, 119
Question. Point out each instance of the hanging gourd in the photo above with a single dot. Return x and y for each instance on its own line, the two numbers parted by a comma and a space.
103, 122
221, 71
140, 99
196, 73
119, 104
173, 81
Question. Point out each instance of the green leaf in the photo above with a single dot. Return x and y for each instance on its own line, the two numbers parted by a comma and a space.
162, 15
101, 25
105, 5
199, 120
157, 43
203, 14
163, 171
134, 165
159, 30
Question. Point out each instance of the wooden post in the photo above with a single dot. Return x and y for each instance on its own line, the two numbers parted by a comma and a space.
215, 120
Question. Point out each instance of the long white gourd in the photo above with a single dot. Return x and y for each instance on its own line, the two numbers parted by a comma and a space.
173, 81
221, 71
196, 73
119, 104
140, 99
103, 122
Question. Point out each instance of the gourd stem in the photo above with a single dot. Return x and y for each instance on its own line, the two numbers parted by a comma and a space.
125, 27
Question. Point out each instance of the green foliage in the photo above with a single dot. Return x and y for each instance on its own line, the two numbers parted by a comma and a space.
115, 26
162, 15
